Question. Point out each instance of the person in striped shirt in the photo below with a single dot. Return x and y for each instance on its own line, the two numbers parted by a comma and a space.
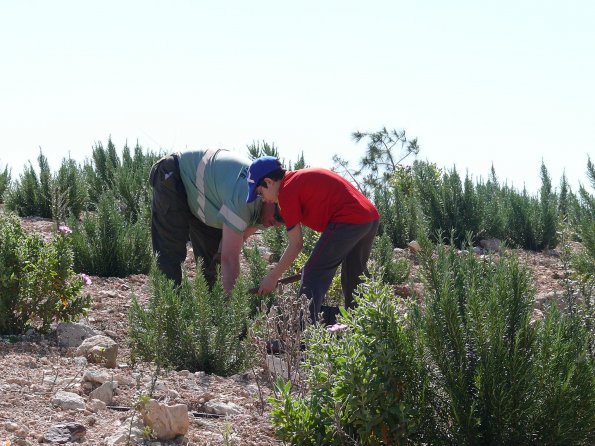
201, 195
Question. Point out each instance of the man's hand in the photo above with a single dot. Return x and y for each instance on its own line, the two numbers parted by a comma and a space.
296, 242
268, 284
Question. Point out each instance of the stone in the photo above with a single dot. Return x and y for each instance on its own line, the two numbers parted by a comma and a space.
100, 350
68, 400
96, 406
414, 246
97, 376
222, 408
64, 433
73, 334
127, 433
491, 245
166, 422
104, 392
277, 366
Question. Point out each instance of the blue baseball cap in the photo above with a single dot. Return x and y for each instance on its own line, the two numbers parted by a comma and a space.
259, 168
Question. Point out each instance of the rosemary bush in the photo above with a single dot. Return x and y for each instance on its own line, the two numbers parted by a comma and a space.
107, 244
391, 271
28, 196
496, 374
467, 367
35, 194
4, 182
191, 327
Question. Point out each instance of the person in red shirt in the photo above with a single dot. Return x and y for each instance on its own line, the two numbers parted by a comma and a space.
328, 203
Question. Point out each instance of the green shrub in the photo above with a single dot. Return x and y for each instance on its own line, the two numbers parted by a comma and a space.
391, 271
488, 362
467, 367
70, 183
490, 199
257, 270
548, 212
4, 182
106, 243
48, 195
37, 283
126, 177
366, 384
28, 197
190, 327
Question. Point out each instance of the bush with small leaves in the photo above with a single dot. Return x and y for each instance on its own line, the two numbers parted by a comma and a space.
367, 385
37, 283
107, 244
190, 327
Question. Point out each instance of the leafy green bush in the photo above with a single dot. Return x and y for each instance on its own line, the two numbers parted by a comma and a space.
487, 360
106, 243
400, 213
391, 271
190, 327
468, 367
367, 385
4, 182
30, 194
37, 283
70, 183
257, 269
48, 195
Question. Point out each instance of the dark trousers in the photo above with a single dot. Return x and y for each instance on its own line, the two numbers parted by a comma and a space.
172, 224
348, 245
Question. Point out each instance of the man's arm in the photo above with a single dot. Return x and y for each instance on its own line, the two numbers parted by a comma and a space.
231, 246
296, 242
249, 231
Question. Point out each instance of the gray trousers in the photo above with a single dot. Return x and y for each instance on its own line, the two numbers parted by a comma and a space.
348, 245
172, 224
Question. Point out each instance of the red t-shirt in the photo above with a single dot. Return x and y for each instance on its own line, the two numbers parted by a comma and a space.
316, 197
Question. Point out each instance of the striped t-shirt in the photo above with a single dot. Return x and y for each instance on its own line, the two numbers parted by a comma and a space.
216, 185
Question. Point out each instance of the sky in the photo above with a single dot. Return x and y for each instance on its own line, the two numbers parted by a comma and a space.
508, 83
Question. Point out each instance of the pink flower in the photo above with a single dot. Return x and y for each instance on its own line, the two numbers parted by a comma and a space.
337, 327
63, 229
86, 279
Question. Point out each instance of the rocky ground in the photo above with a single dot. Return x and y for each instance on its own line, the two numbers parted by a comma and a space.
34, 369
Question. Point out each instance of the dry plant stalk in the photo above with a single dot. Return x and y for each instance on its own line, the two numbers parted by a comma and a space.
285, 322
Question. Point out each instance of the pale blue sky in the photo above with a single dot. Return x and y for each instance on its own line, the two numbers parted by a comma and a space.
508, 82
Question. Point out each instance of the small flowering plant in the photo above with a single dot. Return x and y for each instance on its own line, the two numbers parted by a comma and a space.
337, 327
65, 230
38, 285
86, 279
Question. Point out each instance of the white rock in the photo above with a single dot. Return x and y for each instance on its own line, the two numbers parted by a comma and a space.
121, 436
222, 408
277, 366
166, 422
105, 392
73, 334
11, 427
99, 349
68, 400
96, 406
414, 246
124, 380
97, 376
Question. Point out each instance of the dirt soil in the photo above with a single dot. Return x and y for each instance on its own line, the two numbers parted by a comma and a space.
33, 369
